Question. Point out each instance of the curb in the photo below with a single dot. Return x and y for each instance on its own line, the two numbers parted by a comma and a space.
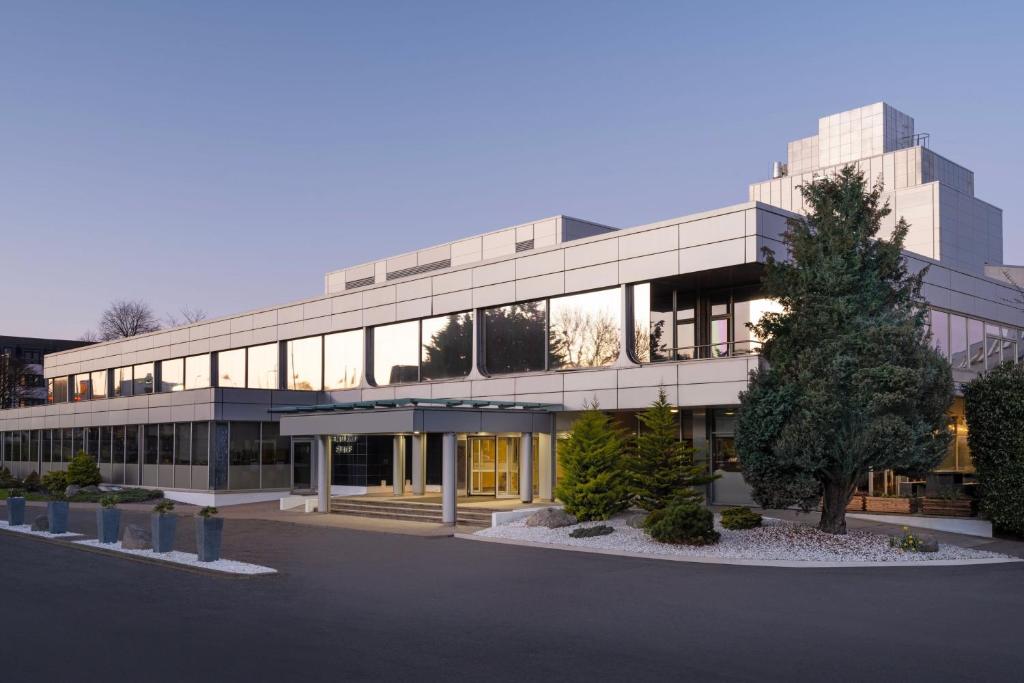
785, 564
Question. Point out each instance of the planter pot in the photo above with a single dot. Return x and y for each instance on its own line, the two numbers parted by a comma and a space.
208, 535
15, 511
963, 507
57, 514
856, 504
902, 506
163, 530
108, 524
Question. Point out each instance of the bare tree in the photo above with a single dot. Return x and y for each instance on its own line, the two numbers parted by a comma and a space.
189, 316
89, 336
13, 376
127, 319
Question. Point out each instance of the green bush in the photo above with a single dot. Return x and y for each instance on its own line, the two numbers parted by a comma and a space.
55, 481
740, 518
683, 522
32, 481
6, 480
590, 531
207, 511
164, 507
594, 484
122, 496
108, 502
83, 471
994, 407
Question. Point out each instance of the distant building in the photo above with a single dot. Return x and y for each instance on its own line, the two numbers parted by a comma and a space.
27, 353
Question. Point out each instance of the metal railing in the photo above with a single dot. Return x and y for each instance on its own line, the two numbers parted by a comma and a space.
743, 347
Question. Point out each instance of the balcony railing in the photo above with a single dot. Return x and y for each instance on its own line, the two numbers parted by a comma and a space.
745, 347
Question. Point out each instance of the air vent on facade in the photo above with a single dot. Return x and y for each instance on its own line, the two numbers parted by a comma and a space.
525, 245
416, 270
361, 282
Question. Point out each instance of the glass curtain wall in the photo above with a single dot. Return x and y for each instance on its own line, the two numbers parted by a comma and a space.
231, 368
396, 355
515, 338
583, 330
262, 367
446, 344
343, 360
305, 363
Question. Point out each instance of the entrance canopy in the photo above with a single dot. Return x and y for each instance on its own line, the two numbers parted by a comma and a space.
403, 416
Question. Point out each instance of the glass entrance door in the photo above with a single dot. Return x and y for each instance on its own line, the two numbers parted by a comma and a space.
493, 465
302, 465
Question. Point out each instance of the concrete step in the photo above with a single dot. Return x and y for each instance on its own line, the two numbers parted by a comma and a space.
404, 511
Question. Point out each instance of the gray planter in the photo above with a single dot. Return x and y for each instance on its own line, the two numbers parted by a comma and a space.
208, 534
57, 513
108, 524
15, 511
164, 528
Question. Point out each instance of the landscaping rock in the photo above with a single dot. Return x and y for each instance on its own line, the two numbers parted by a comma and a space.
591, 531
41, 523
72, 491
929, 544
136, 538
109, 488
90, 489
636, 520
550, 518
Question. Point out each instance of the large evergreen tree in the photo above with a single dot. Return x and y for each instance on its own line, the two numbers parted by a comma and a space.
850, 382
593, 483
663, 469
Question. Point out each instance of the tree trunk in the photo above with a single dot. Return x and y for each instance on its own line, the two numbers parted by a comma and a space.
835, 498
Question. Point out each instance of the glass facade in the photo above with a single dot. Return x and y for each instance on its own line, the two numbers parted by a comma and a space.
262, 366
80, 387
172, 375
143, 381
231, 368
244, 456
343, 360
123, 381
98, 380
305, 363
446, 346
396, 358
197, 371
515, 338
583, 331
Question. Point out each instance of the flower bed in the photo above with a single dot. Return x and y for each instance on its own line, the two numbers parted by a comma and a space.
775, 540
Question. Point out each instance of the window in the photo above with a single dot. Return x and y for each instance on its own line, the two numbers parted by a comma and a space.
584, 330
275, 456
723, 443
105, 446
117, 444
343, 360
686, 327
99, 384
262, 367
721, 319
958, 342
143, 380
305, 364
231, 368
244, 456
395, 353
750, 311
975, 345
166, 451
80, 388
123, 381
197, 371
200, 443
183, 443
939, 325
446, 346
514, 338
149, 444
642, 333
131, 445
172, 375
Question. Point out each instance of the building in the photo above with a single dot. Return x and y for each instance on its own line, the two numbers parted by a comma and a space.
455, 368
21, 369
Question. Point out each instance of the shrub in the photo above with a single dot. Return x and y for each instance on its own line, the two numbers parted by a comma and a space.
32, 481
740, 518
589, 531
15, 493
122, 496
83, 471
908, 541
594, 484
207, 511
108, 502
6, 480
54, 482
164, 507
994, 407
685, 522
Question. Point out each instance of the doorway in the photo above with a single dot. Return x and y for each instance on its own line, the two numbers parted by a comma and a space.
302, 465
493, 466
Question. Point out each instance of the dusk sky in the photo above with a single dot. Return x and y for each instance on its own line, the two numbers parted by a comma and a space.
225, 155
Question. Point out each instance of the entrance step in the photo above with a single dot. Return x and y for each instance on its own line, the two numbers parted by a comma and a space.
410, 511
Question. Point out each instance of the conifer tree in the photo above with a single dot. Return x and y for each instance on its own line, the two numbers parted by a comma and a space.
850, 382
593, 483
663, 469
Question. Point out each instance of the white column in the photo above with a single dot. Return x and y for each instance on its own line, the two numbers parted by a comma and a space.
478, 326
419, 452
625, 327
323, 473
398, 466
526, 467
546, 463
449, 494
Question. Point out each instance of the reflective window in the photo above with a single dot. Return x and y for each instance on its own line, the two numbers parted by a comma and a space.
143, 380
172, 375
447, 346
275, 457
305, 363
117, 438
231, 368
80, 388
396, 357
166, 444
60, 390
244, 456
750, 311
200, 443
131, 445
976, 345
958, 341
197, 371
123, 381
584, 330
262, 367
661, 343
642, 322
686, 327
183, 443
149, 444
940, 332
720, 321
104, 445
343, 360
514, 338
99, 384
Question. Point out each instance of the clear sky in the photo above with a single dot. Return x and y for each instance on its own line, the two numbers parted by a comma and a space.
225, 155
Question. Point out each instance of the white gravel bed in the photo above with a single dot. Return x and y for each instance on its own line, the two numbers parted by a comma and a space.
188, 559
27, 529
775, 540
